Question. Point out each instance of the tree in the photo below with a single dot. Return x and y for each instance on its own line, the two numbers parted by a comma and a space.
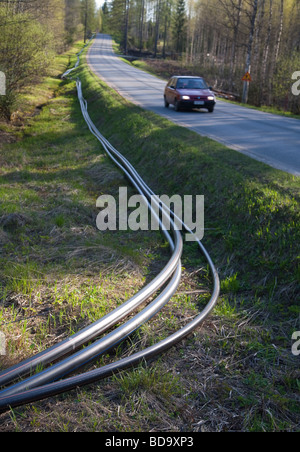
104, 13
249, 48
119, 17
179, 27
26, 50
73, 25
31, 32
89, 17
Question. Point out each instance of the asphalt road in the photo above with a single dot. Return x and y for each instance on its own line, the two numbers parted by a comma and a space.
269, 138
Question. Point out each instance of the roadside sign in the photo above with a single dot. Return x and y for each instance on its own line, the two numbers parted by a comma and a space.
247, 77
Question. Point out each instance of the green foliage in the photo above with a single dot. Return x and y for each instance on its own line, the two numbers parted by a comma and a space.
73, 24
31, 33
179, 26
26, 50
88, 17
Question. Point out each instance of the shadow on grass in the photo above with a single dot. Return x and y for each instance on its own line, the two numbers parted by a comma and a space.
252, 210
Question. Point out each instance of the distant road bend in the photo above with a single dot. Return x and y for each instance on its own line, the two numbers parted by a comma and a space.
269, 138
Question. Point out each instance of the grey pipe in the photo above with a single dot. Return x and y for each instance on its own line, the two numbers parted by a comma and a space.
9, 399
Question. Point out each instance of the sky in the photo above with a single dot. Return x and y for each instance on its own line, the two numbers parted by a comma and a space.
99, 2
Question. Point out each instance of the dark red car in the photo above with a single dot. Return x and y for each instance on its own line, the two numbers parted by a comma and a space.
189, 92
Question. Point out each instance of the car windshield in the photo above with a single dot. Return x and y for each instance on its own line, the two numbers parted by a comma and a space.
191, 83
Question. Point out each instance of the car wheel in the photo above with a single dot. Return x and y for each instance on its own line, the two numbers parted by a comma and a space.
210, 109
166, 103
176, 105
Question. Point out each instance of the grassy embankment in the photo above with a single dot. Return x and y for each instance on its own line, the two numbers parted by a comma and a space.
58, 273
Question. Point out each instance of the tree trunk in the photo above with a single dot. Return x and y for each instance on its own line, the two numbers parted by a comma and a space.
234, 43
126, 27
157, 27
249, 51
263, 82
280, 32
142, 25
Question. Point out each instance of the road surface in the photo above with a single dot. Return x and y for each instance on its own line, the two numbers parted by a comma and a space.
269, 138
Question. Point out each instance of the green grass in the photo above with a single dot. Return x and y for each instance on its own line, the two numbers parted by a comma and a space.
265, 108
58, 273
53, 260
252, 210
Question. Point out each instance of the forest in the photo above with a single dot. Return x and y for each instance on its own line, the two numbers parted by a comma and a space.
32, 32
218, 39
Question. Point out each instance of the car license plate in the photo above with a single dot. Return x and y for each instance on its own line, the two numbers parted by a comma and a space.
199, 102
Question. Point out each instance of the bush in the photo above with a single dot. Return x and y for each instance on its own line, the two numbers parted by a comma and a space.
25, 53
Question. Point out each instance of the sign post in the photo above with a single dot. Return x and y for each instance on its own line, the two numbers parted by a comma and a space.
246, 79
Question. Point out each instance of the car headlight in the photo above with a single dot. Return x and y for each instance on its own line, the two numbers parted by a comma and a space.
185, 97
211, 98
